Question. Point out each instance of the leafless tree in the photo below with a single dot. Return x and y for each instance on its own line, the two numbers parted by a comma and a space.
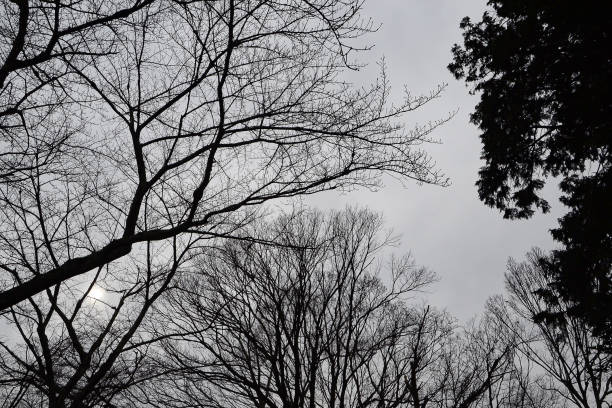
490, 352
129, 122
132, 132
308, 322
568, 360
83, 347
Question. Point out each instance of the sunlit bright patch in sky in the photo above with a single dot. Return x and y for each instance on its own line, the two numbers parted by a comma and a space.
96, 293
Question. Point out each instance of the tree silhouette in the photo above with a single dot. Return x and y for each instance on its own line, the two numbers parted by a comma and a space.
134, 133
308, 322
128, 123
543, 77
84, 345
568, 358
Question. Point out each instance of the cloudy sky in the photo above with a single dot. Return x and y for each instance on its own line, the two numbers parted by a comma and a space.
447, 229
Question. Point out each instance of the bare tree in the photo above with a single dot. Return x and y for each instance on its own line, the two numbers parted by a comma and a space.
308, 322
132, 132
35, 105
124, 123
83, 347
568, 359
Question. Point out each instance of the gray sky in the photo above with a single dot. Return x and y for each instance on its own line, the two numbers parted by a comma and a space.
447, 229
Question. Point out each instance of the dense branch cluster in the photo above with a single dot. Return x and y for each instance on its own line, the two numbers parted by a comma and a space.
309, 314
137, 122
142, 143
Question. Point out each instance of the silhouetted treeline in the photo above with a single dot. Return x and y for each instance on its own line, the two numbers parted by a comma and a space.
312, 311
143, 146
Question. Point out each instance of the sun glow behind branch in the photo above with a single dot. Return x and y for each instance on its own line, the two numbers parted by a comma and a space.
96, 293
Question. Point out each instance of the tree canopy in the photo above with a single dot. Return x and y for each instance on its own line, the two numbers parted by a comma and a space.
542, 70
126, 123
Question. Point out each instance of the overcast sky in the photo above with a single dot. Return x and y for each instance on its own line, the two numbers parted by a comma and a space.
447, 229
